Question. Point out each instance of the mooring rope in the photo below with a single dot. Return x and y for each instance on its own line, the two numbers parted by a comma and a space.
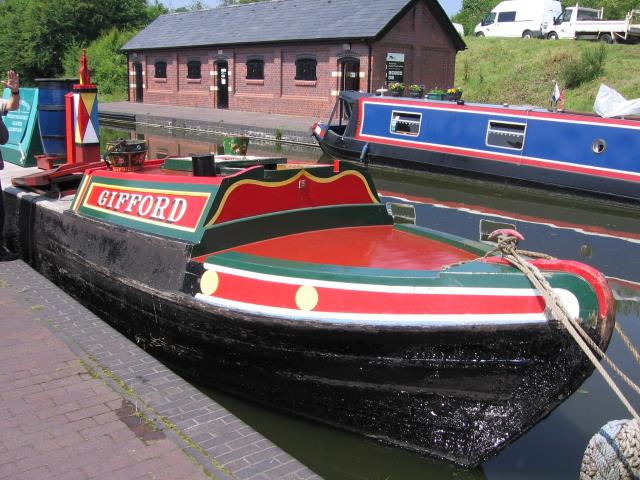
627, 342
507, 245
613, 452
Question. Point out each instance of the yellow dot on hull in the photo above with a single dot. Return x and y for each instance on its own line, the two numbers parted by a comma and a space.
209, 282
306, 298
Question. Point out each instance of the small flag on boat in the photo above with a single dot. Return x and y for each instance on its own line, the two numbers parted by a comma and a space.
555, 96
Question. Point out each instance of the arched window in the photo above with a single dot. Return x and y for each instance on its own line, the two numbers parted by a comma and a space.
193, 69
255, 69
160, 69
306, 68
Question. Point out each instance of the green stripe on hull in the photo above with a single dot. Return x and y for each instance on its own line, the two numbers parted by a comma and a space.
475, 274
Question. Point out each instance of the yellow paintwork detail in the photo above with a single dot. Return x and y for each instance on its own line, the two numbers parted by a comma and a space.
295, 178
306, 298
209, 282
88, 98
79, 193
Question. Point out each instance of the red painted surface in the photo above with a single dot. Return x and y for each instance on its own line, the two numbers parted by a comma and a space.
86, 153
153, 173
375, 247
248, 198
70, 135
282, 295
592, 276
173, 208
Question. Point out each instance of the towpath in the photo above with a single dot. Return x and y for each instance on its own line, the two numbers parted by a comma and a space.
78, 401
269, 126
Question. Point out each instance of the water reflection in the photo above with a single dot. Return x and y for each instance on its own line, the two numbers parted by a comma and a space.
603, 233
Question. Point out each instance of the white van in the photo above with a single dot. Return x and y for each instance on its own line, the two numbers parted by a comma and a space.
519, 18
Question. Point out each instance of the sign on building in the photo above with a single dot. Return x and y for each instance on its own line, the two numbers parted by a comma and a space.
395, 67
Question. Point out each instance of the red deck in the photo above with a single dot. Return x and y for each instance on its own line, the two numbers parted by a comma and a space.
374, 247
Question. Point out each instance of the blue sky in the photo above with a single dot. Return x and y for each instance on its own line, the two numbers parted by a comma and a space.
450, 6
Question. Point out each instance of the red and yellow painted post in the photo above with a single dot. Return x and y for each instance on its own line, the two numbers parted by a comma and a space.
86, 133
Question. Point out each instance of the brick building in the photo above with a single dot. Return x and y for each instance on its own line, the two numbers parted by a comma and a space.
290, 56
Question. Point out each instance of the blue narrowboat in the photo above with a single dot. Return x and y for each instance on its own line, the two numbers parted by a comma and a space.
581, 152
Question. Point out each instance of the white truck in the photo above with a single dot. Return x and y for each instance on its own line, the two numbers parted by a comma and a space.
588, 24
519, 18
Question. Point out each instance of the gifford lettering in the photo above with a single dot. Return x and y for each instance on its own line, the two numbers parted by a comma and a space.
162, 208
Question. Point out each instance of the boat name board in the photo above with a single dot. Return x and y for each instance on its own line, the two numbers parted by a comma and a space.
168, 208
154, 209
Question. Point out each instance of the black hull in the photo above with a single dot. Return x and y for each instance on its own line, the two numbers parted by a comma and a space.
458, 395
347, 148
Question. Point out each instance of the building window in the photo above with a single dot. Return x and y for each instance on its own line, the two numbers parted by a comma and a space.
255, 69
161, 69
306, 69
193, 69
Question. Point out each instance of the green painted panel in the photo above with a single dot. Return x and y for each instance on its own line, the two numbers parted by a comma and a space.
130, 220
271, 225
24, 135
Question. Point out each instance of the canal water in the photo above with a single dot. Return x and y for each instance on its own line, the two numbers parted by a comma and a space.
605, 234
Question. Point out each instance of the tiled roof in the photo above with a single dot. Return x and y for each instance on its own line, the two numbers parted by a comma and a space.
271, 21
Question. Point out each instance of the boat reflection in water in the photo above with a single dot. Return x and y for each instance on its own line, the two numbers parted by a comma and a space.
588, 230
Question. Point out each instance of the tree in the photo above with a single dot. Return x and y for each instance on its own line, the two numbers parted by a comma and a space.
155, 10
34, 34
107, 65
227, 3
473, 11
195, 5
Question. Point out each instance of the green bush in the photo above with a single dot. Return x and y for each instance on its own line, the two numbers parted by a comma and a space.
107, 65
584, 69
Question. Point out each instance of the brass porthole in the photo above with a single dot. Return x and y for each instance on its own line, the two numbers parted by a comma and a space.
598, 146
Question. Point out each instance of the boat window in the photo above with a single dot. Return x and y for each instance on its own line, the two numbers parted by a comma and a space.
506, 135
346, 110
405, 123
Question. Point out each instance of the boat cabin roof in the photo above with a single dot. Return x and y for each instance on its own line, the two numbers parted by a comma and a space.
352, 98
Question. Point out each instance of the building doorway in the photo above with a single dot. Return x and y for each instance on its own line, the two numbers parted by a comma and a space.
137, 68
222, 69
350, 69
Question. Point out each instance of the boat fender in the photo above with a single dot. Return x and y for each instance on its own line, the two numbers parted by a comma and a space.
364, 154
613, 453
506, 232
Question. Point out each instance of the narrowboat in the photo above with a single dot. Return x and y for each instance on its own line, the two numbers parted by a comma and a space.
290, 285
579, 152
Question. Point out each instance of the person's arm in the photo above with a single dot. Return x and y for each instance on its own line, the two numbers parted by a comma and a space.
13, 83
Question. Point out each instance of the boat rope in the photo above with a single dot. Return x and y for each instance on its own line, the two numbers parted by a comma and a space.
613, 453
507, 244
627, 342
